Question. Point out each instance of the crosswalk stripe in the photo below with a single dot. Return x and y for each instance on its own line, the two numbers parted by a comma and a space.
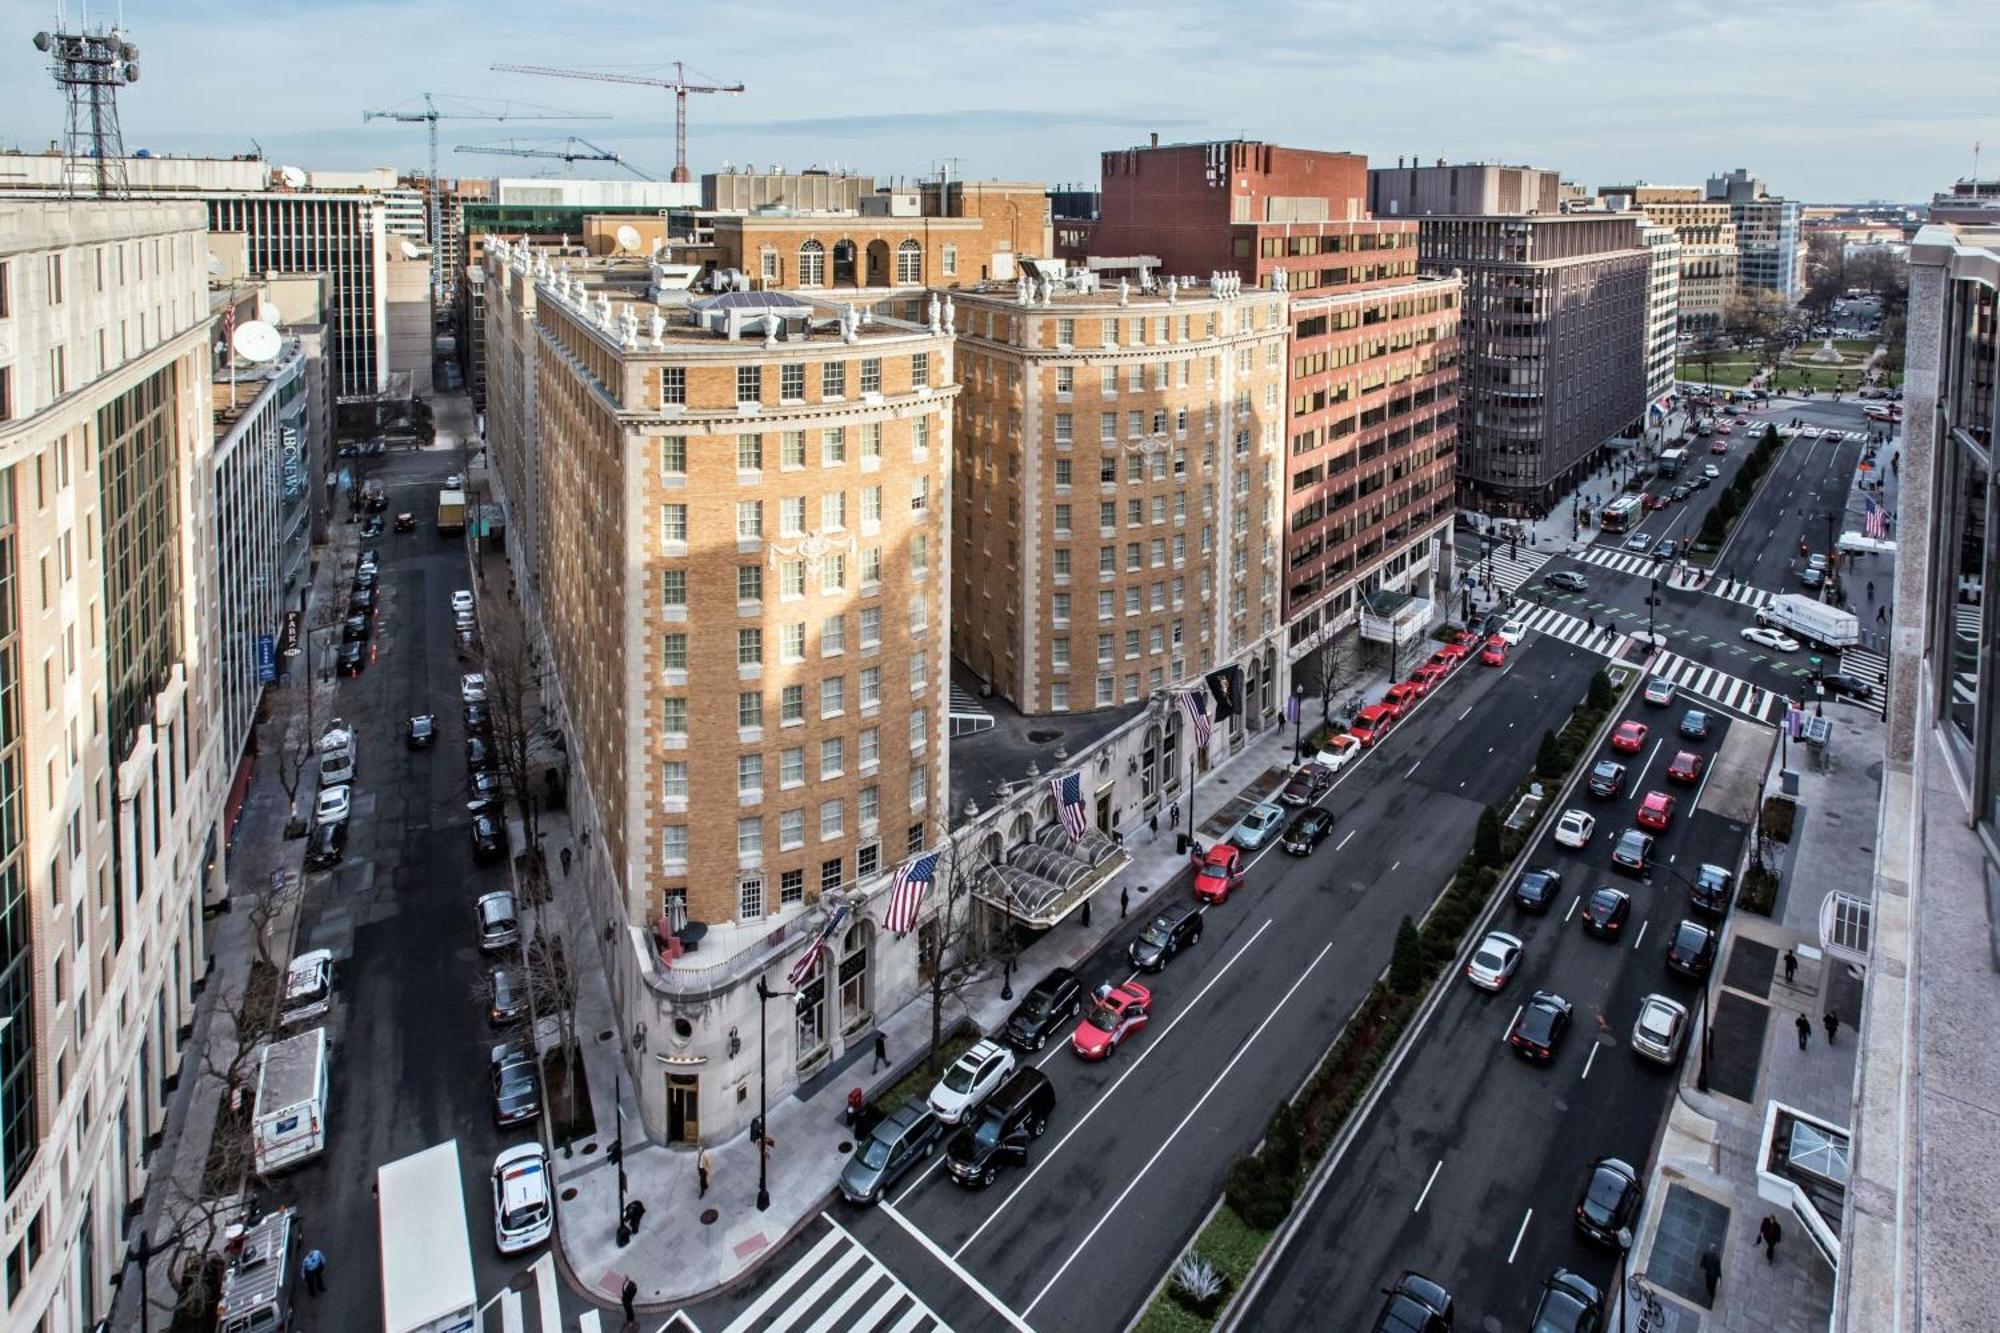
827, 1243
838, 1285
548, 1296
588, 1322
836, 1313
511, 1317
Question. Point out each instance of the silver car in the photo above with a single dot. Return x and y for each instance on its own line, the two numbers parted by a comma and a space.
1492, 964
1661, 1029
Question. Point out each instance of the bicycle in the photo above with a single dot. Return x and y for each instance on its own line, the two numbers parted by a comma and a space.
1652, 1314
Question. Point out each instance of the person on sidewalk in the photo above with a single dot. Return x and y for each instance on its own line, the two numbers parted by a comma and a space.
1804, 1025
1711, 1270
1791, 966
313, 1272
628, 1297
1769, 1233
1124, 901
881, 1050
635, 1213
701, 1173
566, 854
1832, 1025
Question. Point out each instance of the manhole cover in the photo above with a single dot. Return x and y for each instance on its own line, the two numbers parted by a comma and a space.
708, 1216
1043, 735
845, 1146
589, 1148
569, 1194
606, 1035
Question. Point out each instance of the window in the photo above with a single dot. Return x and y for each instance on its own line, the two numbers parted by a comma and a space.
1107, 431
870, 747
792, 449
750, 840
949, 261
812, 264
674, 526
55, 263
833, 379
792, 834
920, 367
871, 627
749, 583
673, 455
792, 767
749, 384
1059, 608
833, 696
919, 671
909, 263
829, 873
792, 883
792, 516
871, 374
833, 511
792, 704
749, 520
871, 566
674, 780
920, 554
792, 642
1059, 696
767, 265
750, 709
1063, 472
832, 819
1065, 332
871, 442
871, 505
918, 735
1065, 428
920, 493
920, 436
749, 453
920, 615
673, 587
674, 845
792, 579
1104, 645
750, 893
673, 384
749, 647
833, 446
917, 791
832, 757
674, 717
871, 686
674, 652
833, 636
833, 573
869, 806
792, 382
749, 773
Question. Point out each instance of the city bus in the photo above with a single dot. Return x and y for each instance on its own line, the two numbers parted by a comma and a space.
1672, 461
1620, 514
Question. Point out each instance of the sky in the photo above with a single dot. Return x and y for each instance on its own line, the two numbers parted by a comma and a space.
1833, 101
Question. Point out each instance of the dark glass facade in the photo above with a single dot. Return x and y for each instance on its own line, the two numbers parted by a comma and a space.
19, 1138
139, 460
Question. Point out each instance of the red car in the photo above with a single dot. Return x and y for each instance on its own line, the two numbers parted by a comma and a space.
1430, 676
1466, 639
1630, 738
1372, 723
1451, 655
1115, 1014
1652, 501
1495, 652
1656, 811
1686, 767
1719, 446
1219, 871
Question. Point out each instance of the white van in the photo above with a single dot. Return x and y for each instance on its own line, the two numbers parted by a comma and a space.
308, 988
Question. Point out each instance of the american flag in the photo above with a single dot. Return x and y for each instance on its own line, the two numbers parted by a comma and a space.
1874, 518
810, 958
1068, 791
1795, 720
1196, 709
914, 879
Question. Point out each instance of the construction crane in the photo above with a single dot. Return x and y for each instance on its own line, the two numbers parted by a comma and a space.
571, 149
679, 84
430, 114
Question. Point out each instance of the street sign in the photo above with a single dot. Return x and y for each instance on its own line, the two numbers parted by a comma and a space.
267, 658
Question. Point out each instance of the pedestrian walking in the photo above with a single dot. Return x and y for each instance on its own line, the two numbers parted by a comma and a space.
1791, 966
313, 1271
701, 1172
1124, 902
1086, 914
1711, 1270
881, 1050
1770, 1233
1156, 823
1804, 1025
628, 1296
566, 854
1881, 615
635, 1213
1592, 620
1871, 590
1832, 1025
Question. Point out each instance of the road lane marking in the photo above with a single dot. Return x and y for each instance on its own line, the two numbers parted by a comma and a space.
1512, 1021
1344, 841
1167, 1142
936, 1252
1427, 1186
1640, 781
1130, 1069
1394, 868
1518, 1235
1411, 769
1637, 939
1571, 913
1590, 1060
1467, 713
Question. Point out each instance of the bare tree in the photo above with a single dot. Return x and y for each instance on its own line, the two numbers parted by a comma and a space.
522, 739
952, 948
1826, 271
558, 938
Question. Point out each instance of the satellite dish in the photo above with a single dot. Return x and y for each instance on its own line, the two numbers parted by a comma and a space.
293, 178
269, 314
42, 41
409, 249
629, 239
256, 341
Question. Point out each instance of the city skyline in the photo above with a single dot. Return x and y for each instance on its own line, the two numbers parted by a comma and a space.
1418, 84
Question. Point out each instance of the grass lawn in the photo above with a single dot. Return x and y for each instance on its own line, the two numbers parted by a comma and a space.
1733, 374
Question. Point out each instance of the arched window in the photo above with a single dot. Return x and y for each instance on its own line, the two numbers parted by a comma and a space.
812, 264
811, 1012
909, 263
845, 257
854, 973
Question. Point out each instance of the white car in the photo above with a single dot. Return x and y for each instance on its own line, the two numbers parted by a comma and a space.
1337, 752
1659, 690
1492, 964
462, 600
1513, 631
1575, 827
1711, 471
1767, 637
523, 1212
454, 481
1661, 1028
334, 804
970, 1080
472, 688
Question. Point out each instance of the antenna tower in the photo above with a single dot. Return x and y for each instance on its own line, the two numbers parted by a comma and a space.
90, 65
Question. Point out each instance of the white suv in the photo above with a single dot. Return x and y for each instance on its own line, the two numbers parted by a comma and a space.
523, 1213
970, 1080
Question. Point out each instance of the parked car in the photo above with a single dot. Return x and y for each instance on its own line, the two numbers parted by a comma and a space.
1537, 1030
362, 599
1307, 784
517, 1092
478, 753
907, 1135
1336, 753
353, 657
1712, 890
472, 688
1575, 827
489, 836
1569, 1304
1404, 694
1219, 871
1372, 723
1605, 911
333, 804
1164, 936
1256, 828
357, 628
483, 787
325, 845
1607, 779
1691, 952
523, 1211
461, 600
1633, 852
1116, 1012
1414, 1305
1660, 1029
495, 920
1607, 1208
969, 1080
478, 720
1016, 1114
1308, 830
1495, 652
1537, 889
1513, 631
508, 1001
1057, 996
1493, 963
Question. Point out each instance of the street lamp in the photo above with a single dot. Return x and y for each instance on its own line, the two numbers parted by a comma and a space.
759, 1127
1298, 716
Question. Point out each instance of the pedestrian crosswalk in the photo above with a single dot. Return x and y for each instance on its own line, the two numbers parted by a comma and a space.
1509, 571
838, 1285
1707, 683
1573, 630
1626, 562
1872, 668
1733, 590
540, 1297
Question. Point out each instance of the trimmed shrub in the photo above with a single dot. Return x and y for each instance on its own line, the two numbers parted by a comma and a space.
1260, 1196
1486, 847
1548, 757
1283, 1150
1407, 972
1599, 697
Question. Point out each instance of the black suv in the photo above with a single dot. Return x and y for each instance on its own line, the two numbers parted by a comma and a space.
1538, 888
1539, 1028
1017, 1111
1415, 1305
1692, 952
1634, 852
1852, 687
1309, 829
1569, 1305
1056, 997
1607, 779
1608, 1207
1164, 936
353, 657
1711, 891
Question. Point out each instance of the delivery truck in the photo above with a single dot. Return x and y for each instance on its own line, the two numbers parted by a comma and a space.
290, 1118
426, 1250
451, 513
1815, 622
258, 1254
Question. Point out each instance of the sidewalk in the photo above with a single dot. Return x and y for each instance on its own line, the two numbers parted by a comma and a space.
688, 1246
1704, 1189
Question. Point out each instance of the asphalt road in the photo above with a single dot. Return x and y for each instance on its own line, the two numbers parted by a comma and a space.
1139, 1144
1469, 1166
411, 1034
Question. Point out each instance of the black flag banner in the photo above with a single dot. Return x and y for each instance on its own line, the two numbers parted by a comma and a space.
1226, 687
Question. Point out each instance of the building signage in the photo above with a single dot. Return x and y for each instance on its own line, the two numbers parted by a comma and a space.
267, 658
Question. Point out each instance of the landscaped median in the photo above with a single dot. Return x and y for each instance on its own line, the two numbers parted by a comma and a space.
1734, 502
1263, 1186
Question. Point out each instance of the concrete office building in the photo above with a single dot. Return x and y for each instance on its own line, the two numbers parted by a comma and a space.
1769, 256
1116, 494
741, 563
1663, 307
1462, 189
1707, 233
1912, 1250
1368, 437
107, 552
1554, 347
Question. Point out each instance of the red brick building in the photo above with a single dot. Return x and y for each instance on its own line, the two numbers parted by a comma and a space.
1372, 380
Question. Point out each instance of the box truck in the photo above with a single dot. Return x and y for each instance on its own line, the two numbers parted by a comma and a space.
289, 1122
451, 513
1817, 623
426, 1251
